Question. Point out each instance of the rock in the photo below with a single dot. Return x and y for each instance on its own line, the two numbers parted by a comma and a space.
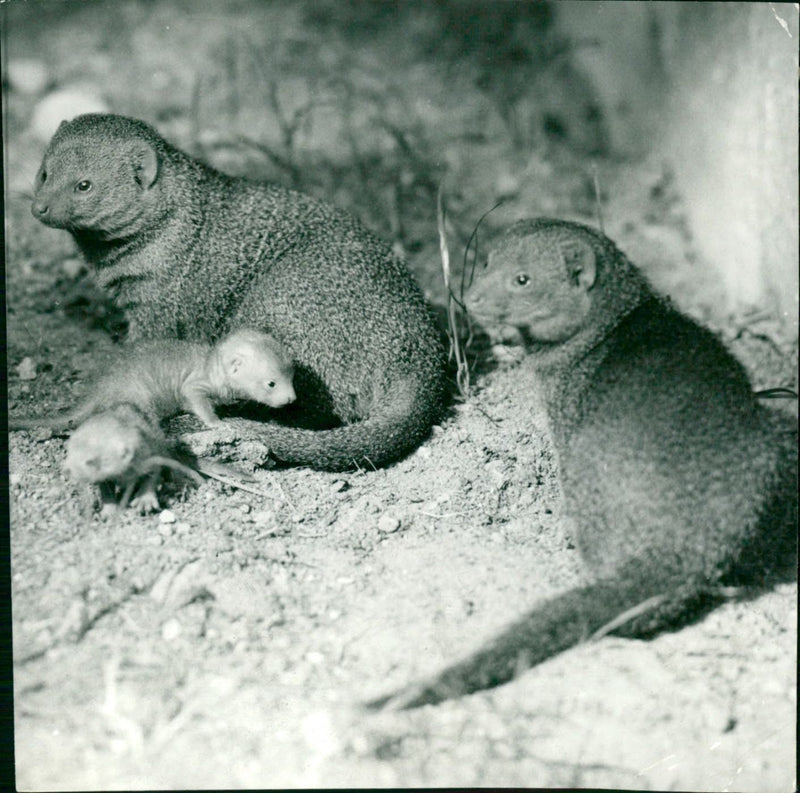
171, 629
388, 524
26, 370
166, 516
72, 268
27, 75
63, 105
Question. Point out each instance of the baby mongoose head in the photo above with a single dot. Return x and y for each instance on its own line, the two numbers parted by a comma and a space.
545, 276
257, 367
100, 174
103, 448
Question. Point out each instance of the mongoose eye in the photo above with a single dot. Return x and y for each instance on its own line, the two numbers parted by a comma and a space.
271, 384
43, 176
522, 279
84, 186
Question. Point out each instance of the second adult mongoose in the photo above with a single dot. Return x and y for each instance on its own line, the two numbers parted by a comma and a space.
165, 377
191, 253
676, 478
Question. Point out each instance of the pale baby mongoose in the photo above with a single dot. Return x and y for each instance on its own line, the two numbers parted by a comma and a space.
122, 447
164, 377
190, 253
677, 480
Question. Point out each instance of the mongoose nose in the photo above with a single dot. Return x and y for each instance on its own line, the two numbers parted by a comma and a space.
39, 209
283, 397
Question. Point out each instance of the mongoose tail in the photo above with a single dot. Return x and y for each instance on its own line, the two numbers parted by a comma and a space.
393, 428
59, 422
558, 624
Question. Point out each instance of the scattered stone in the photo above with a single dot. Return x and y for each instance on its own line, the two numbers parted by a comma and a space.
154, 539
388, 524
73, 267
507, 185
314, 657
62, 105
423, 453
27, 75
182, 528
26, 370
245, 508
263, 517
339, 486
171, 629
167, 516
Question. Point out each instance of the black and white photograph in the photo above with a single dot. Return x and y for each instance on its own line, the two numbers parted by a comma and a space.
402, 393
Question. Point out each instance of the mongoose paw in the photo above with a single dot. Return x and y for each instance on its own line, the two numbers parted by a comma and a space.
146, 502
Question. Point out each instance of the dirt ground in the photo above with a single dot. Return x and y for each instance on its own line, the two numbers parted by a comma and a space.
227, 641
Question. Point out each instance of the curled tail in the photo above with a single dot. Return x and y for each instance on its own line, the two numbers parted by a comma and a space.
628, 604
395, 426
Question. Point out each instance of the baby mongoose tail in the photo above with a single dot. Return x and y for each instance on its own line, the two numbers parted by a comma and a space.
396, 424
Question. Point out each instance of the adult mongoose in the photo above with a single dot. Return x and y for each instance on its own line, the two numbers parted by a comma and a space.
191, 253
163, 377
676, 478
122, 447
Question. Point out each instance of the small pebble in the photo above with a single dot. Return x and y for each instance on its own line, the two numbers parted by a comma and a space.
64, 104
15, 480
339, 486
26, 370
72, 268
182, 528
244, 508
27, 75
154, 539
166, 516
388, 524
262, 517
171, 629
423, 452
506, 185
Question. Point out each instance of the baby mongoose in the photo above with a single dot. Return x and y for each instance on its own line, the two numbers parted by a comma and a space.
190, 253
677, 479
122, 447
165, 377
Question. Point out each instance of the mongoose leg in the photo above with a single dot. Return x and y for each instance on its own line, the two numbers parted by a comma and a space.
146, 500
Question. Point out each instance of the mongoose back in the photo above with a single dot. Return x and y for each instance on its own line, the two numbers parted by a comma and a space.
676, 478
191, 253
163, 377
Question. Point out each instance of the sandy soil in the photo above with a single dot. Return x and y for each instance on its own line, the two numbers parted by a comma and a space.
228, 640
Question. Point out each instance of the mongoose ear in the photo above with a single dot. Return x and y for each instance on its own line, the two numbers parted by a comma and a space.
145, 166
580, 262
233, 364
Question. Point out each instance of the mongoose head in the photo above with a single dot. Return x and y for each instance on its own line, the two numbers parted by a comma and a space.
100, 174
103, 448
257, 367
544, 276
